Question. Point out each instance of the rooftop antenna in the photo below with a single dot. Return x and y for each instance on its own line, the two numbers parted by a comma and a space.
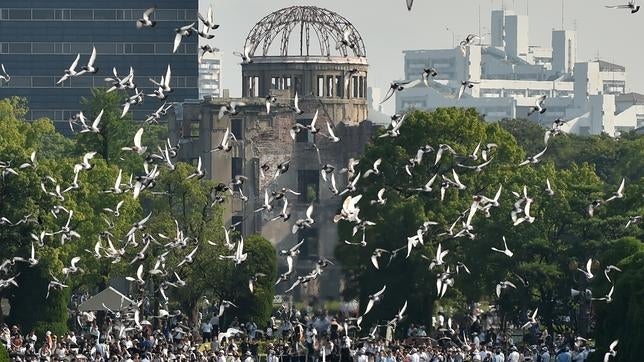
562, 14
527, 8
480, 35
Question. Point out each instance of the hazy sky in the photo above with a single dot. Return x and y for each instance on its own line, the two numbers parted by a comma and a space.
387, 29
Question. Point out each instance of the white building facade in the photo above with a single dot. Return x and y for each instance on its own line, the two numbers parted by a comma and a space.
510, 76
210, 75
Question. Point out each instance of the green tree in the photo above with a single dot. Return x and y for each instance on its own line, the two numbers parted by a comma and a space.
188, 203
546, 252
175, 202
115, 132
406, 210
622, 318
23, 198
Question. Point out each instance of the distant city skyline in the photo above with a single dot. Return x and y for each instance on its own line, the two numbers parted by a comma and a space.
437, 24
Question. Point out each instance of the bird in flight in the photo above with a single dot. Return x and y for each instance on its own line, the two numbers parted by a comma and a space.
630, 6
180, 33
465, 84
71, 71
399, 86
539, 105
611, 351
145, 20
4, 76
505, 251
373, 298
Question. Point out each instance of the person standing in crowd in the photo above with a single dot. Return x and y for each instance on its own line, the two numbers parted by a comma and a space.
545, 355
498, 356
206, 331
514, 355
413, 355
251, 327
272, 357
564, 355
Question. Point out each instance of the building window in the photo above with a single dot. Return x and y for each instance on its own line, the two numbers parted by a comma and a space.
194, 129
320, 86
253, 86
355, 87
143, 48
20, 14
339, 87
569, 56
310, 246
364, 87
20, 48
43, 14
42, 48
620, 130
280, 82
308, 185
236, 166
297, 84
166, 14
413, 104
42, 82
329, 86
304, 136
104, 14
237, 128
640, 120
82, 14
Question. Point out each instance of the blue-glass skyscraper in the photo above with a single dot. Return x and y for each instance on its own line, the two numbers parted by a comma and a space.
39, 39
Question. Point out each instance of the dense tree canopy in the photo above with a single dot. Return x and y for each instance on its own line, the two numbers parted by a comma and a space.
547, 252
33, 201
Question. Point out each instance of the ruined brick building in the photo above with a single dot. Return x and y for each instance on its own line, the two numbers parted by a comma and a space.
319, 56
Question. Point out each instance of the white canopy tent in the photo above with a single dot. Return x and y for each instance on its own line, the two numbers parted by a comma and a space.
108, 299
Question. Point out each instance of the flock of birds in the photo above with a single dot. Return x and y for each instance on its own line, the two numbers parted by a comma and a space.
480, 204
135, 248
136, 245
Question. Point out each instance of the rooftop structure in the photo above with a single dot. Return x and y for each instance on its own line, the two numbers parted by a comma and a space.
294, 25
510, 76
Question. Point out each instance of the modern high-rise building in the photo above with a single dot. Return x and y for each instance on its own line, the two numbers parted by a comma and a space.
39, 39
210, 75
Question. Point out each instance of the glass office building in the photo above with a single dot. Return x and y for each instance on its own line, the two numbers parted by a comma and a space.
39, 39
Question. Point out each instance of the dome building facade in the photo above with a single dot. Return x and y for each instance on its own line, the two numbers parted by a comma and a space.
319, 56
310, 51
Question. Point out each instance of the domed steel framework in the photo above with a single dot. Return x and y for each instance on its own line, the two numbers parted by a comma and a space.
285, 24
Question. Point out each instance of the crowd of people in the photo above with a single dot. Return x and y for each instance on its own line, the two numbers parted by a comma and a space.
292, 336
